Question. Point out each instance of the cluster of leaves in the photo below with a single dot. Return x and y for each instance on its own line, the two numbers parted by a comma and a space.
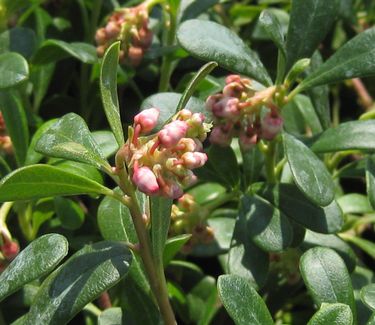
292, 235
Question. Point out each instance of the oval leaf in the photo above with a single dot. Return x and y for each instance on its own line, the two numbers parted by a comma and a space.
38, 181
242, 302
269, 22
210, 41
309, 172
326, 277
13, 69
70, 138
82, 278
368, 296
108, 90
39, 258
332, 314
69, 213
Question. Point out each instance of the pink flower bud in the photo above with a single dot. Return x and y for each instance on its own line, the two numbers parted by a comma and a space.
10, 250
100, 36
135, 55
188, 144
234, 89
145, 180
220, 137
145, 37
172, 190
100, 50
194, 159
247, 141
232, 78
212, 100
271, 126
227, 108
147, 119
112, 29
172, 133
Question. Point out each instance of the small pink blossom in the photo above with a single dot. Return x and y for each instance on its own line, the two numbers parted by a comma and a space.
220, 137
194, 159
145, 180
147, 119
247, 141
271, 126
172, 133
227, 108
10, 250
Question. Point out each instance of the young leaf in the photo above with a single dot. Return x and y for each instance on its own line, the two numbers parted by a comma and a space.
269, 228
106, 141
364, 244
368, 296
69, 213
16, 124
333, 314
242, 302
309, 172
293, 203
310, 21
355, 59
326, 277
82, 278
13, 69
39, 258
108, 89
370, 179
18, 39
173, 246
54, 50
354, 135
272, 27
70, 138
38, 181
160, 210
210, 41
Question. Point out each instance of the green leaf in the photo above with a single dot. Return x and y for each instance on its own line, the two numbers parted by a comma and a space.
313, 239
173, 246
210, 41
326, 277
354, 135
368, 296
83, 277
106, 141
354, 203
108, 90
293, 203
70, 138
309, 172
310, 21
111, 316
207, 192
13, 69
18, 39
69, 213
269, 22
252, 164
304, 105
54, 50
355, 59
16, 124
364, 244
167, 104
194, 82
268, 228
192, 9
160, 211
333, 314
39, 258
370, 179
38, 181
242, 302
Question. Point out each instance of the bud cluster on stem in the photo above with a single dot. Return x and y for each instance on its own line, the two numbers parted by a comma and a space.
130, 26
162, 163
9, 249
5, 141
241, 111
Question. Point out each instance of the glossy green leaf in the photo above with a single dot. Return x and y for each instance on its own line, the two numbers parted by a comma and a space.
40, 77
42, 211
18, 39
39, 258
310, 21
194, 82
108, 89
267, 227
82, 278
242, 302
192, 9
38, 181
111, 316
368, 296
33, 157
106, 141
364, 244
70, 138
69, 213
293, 203
370, 179
309, 172
13, 69
252, 164
326, 277
167, 104
246, 259
354, 59
207, 192
16, 123
354, 203
313, 239
54, 50
354, 135
173, 246
210, 41
333, 314
160, 213
305, 107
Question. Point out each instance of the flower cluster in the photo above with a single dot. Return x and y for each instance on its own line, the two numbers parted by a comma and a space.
240, 111
188, 217
130, 26
162, 163
8, 251
5, 141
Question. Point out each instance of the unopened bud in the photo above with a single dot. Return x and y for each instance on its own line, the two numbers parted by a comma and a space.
10, 250
112, 29
172, 133
220, 137
271, 126
145, 180
194, 159
227, 108
100, 36
147, 119
135, 55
